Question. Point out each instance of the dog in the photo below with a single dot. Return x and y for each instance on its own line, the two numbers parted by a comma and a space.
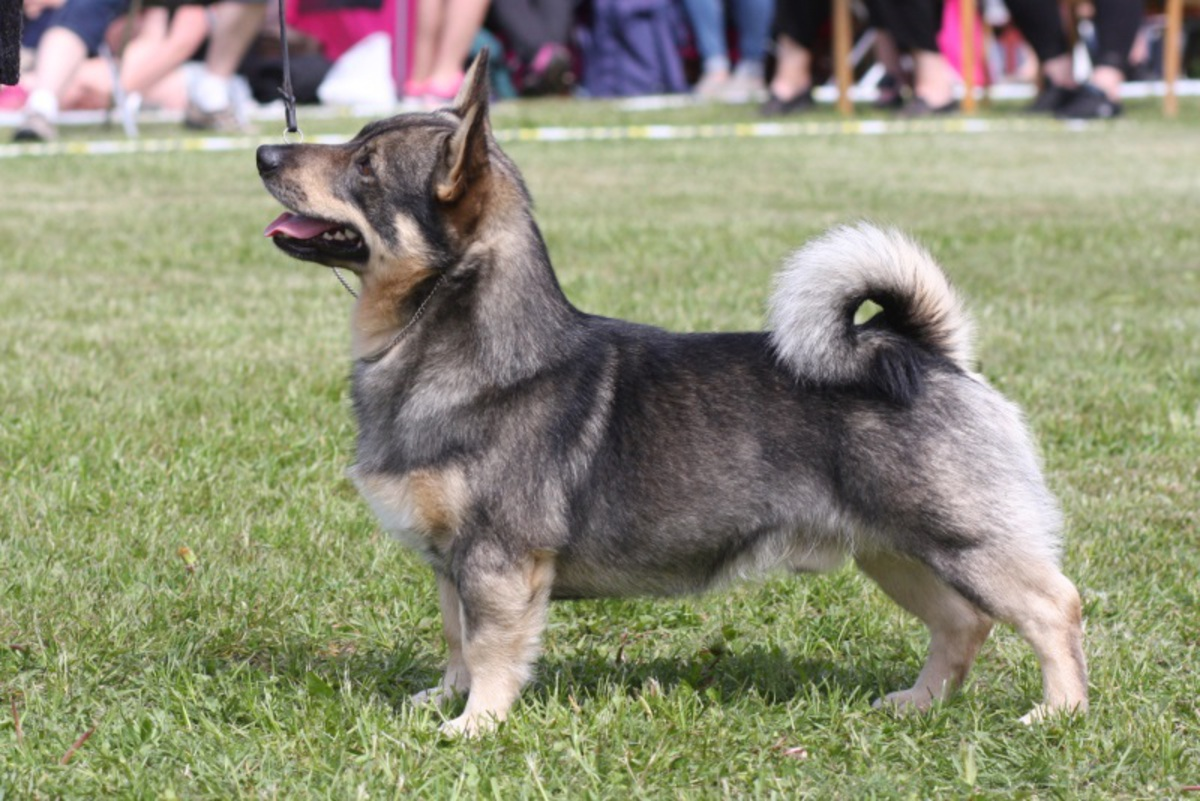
530, 451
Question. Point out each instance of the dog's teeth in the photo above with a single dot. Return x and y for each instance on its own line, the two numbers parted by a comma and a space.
351, 234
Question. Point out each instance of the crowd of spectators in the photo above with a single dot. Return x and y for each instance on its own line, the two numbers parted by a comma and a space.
187, 56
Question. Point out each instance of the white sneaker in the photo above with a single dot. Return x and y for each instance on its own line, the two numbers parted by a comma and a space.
744, 88
711, 86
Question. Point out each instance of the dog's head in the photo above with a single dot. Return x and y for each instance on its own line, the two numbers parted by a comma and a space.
404, 189
399, 204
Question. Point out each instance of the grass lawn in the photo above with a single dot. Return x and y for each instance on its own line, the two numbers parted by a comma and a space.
169, 380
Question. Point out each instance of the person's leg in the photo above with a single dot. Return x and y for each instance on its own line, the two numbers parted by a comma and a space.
708, 27
234, 28
76, 31
430, 14
891, 87
914, 24
1117, 23
522, 25
162, 46
933, 80
791, 86
754, 28
557, 18
797, 25
90, 87
60, 54
793, 68
1040, 23
463, 20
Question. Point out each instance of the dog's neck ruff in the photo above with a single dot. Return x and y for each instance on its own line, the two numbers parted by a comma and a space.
395, 340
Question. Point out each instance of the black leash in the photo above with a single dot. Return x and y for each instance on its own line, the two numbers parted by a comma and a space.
289, 97
289, 112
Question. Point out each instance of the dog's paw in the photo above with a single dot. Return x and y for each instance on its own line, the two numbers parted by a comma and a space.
905, 701
1036, 715
434, 696
468, 726
1041, 713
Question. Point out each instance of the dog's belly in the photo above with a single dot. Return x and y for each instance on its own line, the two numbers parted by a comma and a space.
651, 570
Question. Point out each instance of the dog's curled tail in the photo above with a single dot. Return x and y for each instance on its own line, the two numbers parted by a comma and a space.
821, 288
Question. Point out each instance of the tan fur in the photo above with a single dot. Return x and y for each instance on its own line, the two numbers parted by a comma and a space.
493, 596
457, 678
376, 318
1037, 600
957, 628
423, 508
468, 155
501, 647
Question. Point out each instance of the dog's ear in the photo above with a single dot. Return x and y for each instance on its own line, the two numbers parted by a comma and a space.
467, 149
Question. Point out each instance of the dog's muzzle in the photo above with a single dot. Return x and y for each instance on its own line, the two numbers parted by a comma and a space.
270, 158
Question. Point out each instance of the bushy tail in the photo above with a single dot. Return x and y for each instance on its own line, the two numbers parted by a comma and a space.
821, 287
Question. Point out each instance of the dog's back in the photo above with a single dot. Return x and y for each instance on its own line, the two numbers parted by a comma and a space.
530, 450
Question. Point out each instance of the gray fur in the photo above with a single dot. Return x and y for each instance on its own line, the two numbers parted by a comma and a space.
537, 451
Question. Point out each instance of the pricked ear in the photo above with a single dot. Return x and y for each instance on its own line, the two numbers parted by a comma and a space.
475, 84
466, 156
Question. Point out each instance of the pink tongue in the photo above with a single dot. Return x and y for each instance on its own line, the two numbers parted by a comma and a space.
298, 227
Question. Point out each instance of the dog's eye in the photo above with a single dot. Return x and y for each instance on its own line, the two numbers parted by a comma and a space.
364, 167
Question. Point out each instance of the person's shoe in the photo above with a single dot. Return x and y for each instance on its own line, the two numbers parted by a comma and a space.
890, 98
776, 106
711, 86
36, 128
918, 107
549, 73
225, 120
1089, 103
743, 88
1051, 98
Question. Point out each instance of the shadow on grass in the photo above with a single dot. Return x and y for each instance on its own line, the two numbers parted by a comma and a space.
769, 675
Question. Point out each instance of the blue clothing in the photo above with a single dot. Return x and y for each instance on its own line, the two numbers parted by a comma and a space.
87, 19
753, 19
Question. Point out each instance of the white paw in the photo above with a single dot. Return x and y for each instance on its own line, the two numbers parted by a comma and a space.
910, 700
434, 696
1035, 715
468, 726
1044, 712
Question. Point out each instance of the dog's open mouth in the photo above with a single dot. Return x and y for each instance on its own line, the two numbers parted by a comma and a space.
317, 240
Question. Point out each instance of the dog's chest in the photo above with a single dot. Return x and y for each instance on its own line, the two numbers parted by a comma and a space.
422, 509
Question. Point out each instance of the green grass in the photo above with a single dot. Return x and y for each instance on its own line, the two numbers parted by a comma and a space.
167, 379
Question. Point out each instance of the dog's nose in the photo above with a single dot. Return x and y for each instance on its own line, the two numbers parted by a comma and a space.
270, 158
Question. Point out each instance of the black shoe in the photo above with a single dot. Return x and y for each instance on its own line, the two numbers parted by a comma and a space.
777, 107
917, 107
1089, 103
890, 98
1052, 98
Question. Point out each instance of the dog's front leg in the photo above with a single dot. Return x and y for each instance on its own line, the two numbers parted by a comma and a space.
504, 603
457, 680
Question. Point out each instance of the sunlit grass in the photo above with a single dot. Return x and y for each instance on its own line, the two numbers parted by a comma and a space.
167, 379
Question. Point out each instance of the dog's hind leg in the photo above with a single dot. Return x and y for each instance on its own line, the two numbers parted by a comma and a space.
457, 679
1044, 608
504, 614
956, 627
1032, 595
